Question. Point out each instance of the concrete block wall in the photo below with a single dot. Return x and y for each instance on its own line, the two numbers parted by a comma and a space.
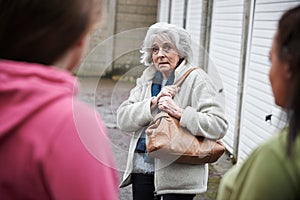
114, 48
133, 17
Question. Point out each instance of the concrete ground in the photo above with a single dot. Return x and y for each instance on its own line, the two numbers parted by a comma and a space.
106, 95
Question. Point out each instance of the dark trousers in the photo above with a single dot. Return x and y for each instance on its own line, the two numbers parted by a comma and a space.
143, 189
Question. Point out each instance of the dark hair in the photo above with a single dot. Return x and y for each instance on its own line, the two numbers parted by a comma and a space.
288, 39
42, 31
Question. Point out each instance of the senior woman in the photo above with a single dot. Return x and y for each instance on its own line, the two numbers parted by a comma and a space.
167, 53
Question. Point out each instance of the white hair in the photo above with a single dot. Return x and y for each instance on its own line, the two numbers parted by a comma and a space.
164, 31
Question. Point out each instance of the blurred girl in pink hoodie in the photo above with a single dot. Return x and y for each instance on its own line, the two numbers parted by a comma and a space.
52, 146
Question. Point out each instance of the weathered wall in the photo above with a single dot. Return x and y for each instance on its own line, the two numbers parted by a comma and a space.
135, 16
114, 48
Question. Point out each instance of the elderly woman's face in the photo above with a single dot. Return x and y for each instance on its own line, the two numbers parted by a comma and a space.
165, 57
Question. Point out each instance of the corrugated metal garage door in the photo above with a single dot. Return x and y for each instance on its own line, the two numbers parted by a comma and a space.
258, 100
193, 26
163, 12
177, 12
224, 52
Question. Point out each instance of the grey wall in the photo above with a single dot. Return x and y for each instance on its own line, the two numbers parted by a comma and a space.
114, 48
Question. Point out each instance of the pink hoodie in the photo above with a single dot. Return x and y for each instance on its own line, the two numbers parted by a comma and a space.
51, 145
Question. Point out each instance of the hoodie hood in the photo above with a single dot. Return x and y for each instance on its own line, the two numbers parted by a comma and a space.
25, 88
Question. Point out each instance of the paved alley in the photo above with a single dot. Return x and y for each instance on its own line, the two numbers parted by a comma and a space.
106, 95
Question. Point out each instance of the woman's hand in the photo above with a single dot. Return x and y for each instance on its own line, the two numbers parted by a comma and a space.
169, 91
167, 104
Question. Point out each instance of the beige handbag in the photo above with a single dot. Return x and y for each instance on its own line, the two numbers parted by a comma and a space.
166, 139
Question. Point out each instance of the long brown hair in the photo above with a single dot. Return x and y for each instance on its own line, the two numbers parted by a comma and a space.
288, 39
42, 31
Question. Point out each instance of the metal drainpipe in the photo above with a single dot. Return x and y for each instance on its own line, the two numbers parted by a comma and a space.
184, 13
206, 22
243, 56
170, 11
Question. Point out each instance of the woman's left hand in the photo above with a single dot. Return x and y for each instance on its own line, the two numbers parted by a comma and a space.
167, 104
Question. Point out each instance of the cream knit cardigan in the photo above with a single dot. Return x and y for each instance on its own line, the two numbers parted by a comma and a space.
203, 115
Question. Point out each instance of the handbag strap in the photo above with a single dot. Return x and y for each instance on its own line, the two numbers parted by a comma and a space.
180, 81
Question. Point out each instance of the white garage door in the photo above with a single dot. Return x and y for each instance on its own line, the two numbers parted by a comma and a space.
163, 12
258, 102
177, 12
224, 52
194, 27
